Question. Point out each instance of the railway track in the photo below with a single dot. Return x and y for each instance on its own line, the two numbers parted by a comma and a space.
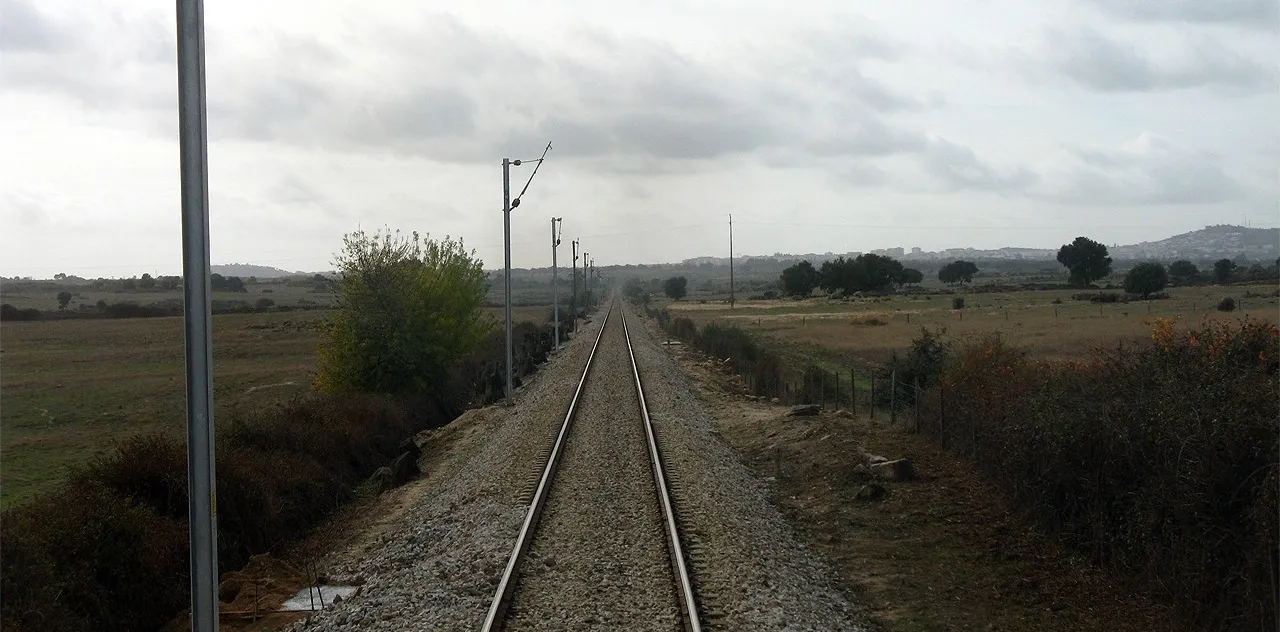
600, 547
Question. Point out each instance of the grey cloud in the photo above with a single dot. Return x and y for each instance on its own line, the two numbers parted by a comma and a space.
24, 28
867, 136
435, 87
1259, 14
1151, 170
959, 168
1102, 63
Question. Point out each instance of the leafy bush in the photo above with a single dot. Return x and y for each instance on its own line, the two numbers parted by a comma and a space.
264, 303
11, 313
957, 302
1105, 297
1157, 460
1227, 305
408, 310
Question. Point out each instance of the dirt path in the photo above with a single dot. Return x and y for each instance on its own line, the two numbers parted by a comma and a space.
944, 552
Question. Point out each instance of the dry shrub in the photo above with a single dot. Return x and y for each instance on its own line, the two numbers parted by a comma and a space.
1157, 460
115, 535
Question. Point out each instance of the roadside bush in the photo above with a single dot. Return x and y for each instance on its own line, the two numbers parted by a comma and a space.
683, 328
1105, 297
408, 310
1155, 460
115, 534
1227, 305
264, 303
957, 302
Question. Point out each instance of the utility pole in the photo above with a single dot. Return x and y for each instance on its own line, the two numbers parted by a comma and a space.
731, 261
573, 296
507, 205
555, 289
193, 156
586, 276
592, 277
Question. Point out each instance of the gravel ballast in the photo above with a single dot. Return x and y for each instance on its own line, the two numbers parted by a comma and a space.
749, 566
599, 557
438, 571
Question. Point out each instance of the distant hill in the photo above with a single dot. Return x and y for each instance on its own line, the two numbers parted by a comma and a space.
1210, 242
246, 270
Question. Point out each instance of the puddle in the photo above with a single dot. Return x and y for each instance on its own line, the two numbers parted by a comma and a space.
317, 598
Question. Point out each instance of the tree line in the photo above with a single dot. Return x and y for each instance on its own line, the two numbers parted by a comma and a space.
1086, 261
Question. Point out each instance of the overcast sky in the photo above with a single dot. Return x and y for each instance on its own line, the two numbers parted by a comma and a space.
821, 125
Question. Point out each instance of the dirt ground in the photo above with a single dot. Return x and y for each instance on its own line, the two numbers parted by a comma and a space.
941, 553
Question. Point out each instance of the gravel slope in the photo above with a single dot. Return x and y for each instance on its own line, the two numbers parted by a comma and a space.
439, 571
750, 568
599, 558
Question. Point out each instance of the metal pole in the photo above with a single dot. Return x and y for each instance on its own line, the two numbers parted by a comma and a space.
202, 517
506, 248
730, 261
555, 291
573, 295
586, 277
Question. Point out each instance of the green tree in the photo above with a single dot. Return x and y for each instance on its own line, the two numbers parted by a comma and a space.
799, 279
408, 309
959, 271
64, 298
633, 288
868, 272
1146, 278
912, 276
1086, 260
1182, 272
146, 282
676, 287
1222, 270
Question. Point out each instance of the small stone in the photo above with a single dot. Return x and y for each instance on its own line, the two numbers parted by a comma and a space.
898, 471
775, 401
872, 492
804, 410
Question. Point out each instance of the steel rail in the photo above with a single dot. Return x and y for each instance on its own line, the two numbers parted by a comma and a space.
688, 604
502, 597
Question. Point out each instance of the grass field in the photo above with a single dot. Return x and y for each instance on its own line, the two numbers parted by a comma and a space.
858, 332
69, 388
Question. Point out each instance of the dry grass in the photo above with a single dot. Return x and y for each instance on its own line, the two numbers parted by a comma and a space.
1029, 319
72, 387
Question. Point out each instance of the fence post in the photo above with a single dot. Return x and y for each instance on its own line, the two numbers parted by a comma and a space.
853, 392
893, 396
837, 390
871, 405
942, 411
916, 406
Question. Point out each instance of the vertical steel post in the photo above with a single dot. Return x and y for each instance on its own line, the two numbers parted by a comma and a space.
730, 261
506, 252
194, 167
573, 290
555, 290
